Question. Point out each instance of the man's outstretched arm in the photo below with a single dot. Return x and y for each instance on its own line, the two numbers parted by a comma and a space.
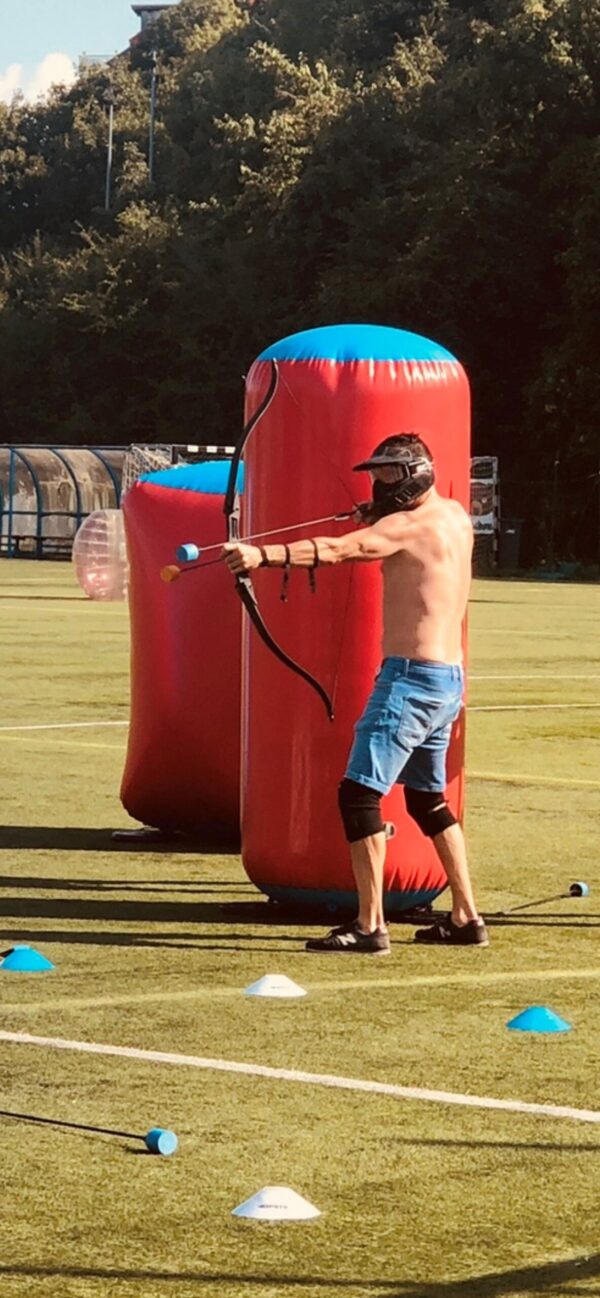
365, 545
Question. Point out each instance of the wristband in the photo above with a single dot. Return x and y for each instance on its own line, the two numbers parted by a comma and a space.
286, 574
312, 581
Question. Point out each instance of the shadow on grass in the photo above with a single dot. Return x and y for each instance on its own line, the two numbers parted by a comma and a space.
66, 838
160, 912
132, 912
53, 883
231, 942
135, 912
547, 1278
526, 1145
553, 918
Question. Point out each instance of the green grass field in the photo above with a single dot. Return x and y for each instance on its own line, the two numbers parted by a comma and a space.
152, 949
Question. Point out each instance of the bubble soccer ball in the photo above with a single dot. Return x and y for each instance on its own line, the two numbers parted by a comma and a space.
100, 555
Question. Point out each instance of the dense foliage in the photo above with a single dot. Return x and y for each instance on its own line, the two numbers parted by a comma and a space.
430, 164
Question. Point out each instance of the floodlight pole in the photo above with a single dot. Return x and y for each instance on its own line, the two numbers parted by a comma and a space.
109, 99
153, 88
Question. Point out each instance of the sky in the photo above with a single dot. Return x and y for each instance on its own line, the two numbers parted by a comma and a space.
40, 40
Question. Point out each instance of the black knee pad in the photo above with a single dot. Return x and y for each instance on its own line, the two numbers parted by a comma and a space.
360, 809
430, 811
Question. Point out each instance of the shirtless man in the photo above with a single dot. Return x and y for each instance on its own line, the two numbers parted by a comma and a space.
425, 543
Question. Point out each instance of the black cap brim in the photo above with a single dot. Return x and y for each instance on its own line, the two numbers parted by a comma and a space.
379, 462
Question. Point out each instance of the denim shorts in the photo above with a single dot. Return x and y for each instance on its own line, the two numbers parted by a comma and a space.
403, 734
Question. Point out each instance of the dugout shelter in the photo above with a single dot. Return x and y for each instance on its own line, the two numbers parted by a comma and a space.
46, 492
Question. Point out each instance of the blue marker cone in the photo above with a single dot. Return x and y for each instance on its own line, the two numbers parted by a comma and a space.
25, 959
538, 1018
159, 1141
187, 553
579, 889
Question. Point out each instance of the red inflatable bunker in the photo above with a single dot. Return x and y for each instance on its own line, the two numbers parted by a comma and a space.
339, 391
183, 758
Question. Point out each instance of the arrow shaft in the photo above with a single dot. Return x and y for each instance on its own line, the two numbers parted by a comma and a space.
70, 1126
541, 901
279, 531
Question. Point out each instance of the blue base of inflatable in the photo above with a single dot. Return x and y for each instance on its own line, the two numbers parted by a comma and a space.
317, 899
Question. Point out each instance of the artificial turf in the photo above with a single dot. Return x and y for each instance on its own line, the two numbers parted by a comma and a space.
153, 948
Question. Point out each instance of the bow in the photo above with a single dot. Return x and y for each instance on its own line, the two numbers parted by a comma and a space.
243, 581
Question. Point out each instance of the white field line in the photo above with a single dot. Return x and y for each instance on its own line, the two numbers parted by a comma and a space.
529, 707
56, 745
558, 781
66, 725
496, 707
4, 603
521, 631
308, 1079
592, 676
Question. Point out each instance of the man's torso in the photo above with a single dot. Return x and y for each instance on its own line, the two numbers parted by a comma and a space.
426, 584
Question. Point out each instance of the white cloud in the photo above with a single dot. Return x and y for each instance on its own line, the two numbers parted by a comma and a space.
10, 81
53, 69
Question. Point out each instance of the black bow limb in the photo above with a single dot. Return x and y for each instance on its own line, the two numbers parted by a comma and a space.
243, 582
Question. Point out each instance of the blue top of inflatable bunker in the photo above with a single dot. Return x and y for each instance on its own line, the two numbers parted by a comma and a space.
356, 342
210, 478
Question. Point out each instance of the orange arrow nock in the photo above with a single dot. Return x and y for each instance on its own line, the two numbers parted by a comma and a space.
170, 573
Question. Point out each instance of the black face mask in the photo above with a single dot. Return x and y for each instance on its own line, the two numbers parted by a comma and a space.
393, 497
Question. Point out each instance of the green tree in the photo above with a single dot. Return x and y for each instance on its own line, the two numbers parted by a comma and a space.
430, 164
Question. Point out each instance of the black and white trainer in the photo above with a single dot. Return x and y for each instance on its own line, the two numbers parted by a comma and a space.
349, 939
446, 933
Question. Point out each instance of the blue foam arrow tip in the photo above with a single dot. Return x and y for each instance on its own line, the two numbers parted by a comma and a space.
538, 1018
187, 553
25, 959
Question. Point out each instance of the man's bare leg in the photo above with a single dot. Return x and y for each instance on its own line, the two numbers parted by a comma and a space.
368, 860
368, 932
450, 847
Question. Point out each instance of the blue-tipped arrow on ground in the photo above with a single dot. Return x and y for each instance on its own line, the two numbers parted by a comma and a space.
158, 1141
538, 1018
25, 959
161, 1141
